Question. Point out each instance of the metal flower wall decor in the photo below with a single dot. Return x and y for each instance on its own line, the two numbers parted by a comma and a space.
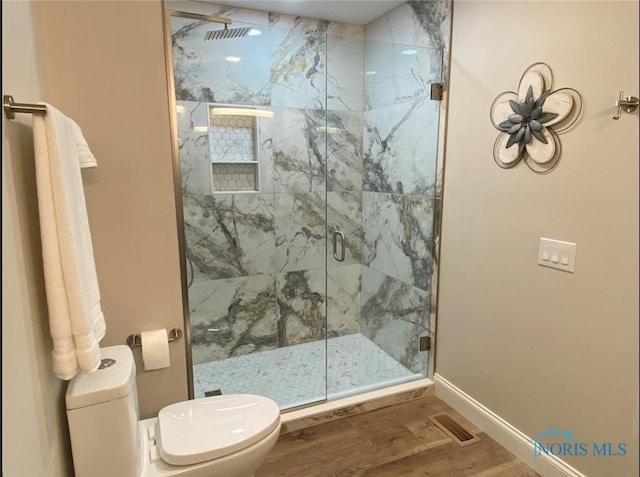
530, 120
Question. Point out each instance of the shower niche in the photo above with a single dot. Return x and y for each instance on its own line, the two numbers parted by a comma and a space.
234, 136
288, 133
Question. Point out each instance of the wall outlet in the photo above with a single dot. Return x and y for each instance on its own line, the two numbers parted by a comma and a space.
557, 254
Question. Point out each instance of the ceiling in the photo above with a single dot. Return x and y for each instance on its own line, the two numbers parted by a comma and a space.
347, 11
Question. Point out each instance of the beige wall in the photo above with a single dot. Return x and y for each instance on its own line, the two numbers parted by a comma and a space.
34, 427
543, 348
109, 75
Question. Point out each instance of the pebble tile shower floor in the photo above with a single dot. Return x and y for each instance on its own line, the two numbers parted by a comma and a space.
295, 375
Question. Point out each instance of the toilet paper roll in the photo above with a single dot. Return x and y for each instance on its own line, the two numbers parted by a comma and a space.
155, 349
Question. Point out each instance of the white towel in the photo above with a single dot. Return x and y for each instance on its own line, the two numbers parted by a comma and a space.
76, 321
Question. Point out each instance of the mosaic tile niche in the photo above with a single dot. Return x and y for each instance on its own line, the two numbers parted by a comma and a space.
234, 155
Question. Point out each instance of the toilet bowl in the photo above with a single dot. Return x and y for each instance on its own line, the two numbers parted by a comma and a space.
220, 436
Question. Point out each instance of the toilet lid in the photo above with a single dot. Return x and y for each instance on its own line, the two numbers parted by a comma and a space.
195, 431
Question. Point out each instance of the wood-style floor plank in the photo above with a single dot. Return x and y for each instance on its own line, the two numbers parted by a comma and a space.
396, 441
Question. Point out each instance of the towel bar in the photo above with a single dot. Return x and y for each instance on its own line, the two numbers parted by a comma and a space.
136, 340
11, 107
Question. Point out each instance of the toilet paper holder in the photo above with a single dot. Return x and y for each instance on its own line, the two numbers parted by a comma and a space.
136, 340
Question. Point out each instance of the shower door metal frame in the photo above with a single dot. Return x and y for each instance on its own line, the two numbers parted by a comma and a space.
177, 183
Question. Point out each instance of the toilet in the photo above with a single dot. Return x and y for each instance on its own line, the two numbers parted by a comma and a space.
220, 436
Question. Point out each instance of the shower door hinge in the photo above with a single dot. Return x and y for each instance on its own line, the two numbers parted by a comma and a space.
436, 91
425, 343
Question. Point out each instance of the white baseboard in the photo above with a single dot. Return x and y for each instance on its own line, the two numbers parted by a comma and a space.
502, 432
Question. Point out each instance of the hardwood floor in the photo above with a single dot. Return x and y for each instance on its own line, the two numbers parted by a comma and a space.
396, 441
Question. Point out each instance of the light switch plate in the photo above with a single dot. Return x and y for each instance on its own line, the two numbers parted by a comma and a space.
557, 254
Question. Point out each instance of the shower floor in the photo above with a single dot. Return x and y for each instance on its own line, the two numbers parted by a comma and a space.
295, 375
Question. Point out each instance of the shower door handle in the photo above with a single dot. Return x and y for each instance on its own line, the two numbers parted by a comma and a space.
339, 234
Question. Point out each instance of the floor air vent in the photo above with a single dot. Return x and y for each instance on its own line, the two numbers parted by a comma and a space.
455, 431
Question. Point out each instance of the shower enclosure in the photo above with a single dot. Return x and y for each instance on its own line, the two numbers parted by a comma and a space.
308, 160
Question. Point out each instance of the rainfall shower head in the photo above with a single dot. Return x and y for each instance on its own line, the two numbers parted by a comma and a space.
227, 33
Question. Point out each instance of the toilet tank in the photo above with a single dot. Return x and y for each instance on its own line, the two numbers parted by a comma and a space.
102, 412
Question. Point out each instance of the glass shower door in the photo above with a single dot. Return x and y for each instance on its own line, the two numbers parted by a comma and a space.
251, 134
382, 163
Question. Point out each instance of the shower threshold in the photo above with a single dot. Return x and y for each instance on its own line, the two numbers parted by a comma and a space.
304, 374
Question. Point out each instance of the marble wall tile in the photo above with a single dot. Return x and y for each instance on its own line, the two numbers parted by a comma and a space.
344, 150
398, 236
400, 147
345, 29
298, 67
394, 316
434, 16
201, 72
299, 56
230, 235
397, 73
300, 221
299, 150
344, 214
288, 22
302, 306
232, 317
313, 69
193, 144
265, 153
423, 23
345, 63
316, 63
343, 300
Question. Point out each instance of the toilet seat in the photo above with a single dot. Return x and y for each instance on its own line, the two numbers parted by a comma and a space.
200, 430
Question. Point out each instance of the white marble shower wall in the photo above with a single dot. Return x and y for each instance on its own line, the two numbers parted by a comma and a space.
403, 54
258, 260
